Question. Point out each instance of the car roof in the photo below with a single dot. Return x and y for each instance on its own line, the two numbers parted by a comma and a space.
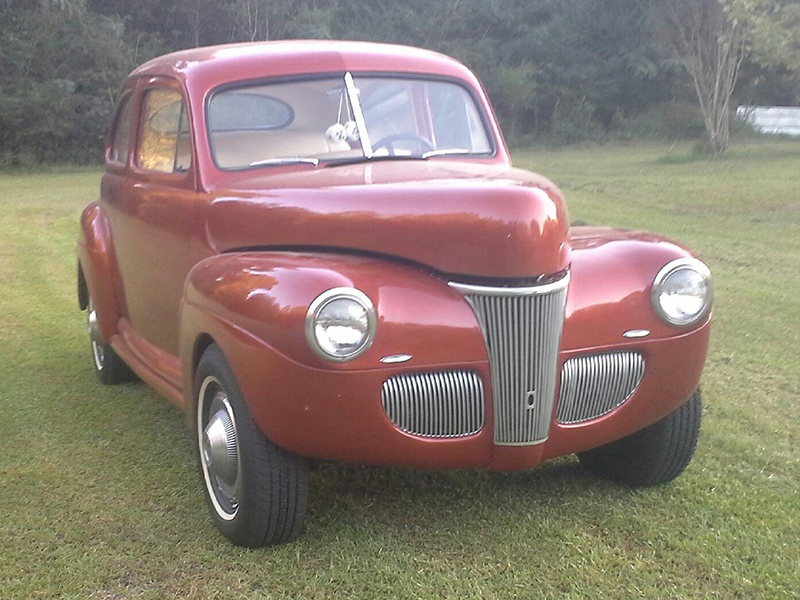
210, 66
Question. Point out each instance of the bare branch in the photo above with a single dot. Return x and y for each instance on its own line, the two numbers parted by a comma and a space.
711, 45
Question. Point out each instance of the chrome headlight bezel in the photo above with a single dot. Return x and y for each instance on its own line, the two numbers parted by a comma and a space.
670, 269
323, 300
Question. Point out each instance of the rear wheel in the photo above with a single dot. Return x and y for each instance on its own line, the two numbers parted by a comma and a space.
110, 368
256, 492
654, 455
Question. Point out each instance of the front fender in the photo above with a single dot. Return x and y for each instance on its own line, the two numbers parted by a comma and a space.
254, 304
609, 294
612, 274
268, 294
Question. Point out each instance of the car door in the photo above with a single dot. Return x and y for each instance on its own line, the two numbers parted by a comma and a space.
157, 220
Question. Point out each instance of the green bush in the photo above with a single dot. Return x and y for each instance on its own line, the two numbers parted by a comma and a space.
665, 120
60, 72
575, 122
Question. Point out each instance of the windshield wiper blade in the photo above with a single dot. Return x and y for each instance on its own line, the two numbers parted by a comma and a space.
445, 152
373, 158
289, 160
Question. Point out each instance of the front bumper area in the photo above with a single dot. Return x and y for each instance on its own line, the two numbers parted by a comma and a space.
338, 415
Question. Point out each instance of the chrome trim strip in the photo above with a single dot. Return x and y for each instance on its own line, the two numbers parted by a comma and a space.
483, 290
446, 404
361, 124
636, 333
595, 384
396, 358
522, 331
534, 443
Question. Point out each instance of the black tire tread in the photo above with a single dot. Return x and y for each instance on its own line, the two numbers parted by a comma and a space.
115, 370
684, 429
657, 454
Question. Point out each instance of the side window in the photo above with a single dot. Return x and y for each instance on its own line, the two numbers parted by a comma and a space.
183, 150
388, 109
165, 143
120, 145
456, 122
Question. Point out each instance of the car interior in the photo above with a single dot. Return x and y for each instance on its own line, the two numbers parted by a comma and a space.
313, 118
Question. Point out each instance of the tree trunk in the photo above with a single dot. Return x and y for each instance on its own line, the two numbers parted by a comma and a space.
711, 46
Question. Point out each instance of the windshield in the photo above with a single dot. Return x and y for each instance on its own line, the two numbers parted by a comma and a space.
343, 119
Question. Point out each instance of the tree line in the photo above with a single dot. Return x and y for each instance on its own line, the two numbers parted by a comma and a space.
557, 71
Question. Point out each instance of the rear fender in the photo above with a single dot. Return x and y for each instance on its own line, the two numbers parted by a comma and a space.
97, 267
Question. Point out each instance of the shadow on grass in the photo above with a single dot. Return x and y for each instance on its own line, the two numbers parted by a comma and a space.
742, 150
401, 502
141, 444
684, 159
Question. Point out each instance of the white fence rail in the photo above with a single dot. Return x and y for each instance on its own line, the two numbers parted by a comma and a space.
772, 119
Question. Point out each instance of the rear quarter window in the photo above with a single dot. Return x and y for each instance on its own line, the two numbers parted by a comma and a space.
165, 143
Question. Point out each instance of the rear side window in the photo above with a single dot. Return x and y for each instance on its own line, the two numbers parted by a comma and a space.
165, 144
120, 145
243, 111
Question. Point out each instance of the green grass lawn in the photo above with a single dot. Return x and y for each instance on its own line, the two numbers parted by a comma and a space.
99, 497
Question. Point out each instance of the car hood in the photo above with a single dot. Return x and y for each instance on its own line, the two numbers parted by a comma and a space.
470, 219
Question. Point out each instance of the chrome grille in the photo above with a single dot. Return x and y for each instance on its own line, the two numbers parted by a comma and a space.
443, 404
522, 331
595, 384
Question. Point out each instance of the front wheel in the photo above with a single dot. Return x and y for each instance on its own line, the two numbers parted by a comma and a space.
656, 454
256, 492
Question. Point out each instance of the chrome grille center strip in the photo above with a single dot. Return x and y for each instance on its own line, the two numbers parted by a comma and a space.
522, 331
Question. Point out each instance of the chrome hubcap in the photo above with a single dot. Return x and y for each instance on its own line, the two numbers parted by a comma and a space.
98, 351
219, 448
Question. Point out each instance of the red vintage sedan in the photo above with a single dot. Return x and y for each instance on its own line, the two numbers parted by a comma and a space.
320, 250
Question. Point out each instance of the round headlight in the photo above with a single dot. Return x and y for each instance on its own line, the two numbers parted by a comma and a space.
340, 324
683, 292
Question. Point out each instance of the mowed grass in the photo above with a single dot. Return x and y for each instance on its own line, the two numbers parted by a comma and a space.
99, 496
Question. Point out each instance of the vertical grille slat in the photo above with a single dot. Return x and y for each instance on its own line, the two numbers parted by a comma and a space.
440, 404
522, 331
596, 384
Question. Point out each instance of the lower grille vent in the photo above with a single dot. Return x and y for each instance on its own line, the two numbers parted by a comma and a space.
442, 405
594, 385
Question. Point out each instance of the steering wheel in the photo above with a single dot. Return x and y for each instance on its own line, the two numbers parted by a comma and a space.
389, 141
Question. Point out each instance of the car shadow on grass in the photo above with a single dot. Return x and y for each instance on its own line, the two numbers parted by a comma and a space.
149, 438
397, 502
